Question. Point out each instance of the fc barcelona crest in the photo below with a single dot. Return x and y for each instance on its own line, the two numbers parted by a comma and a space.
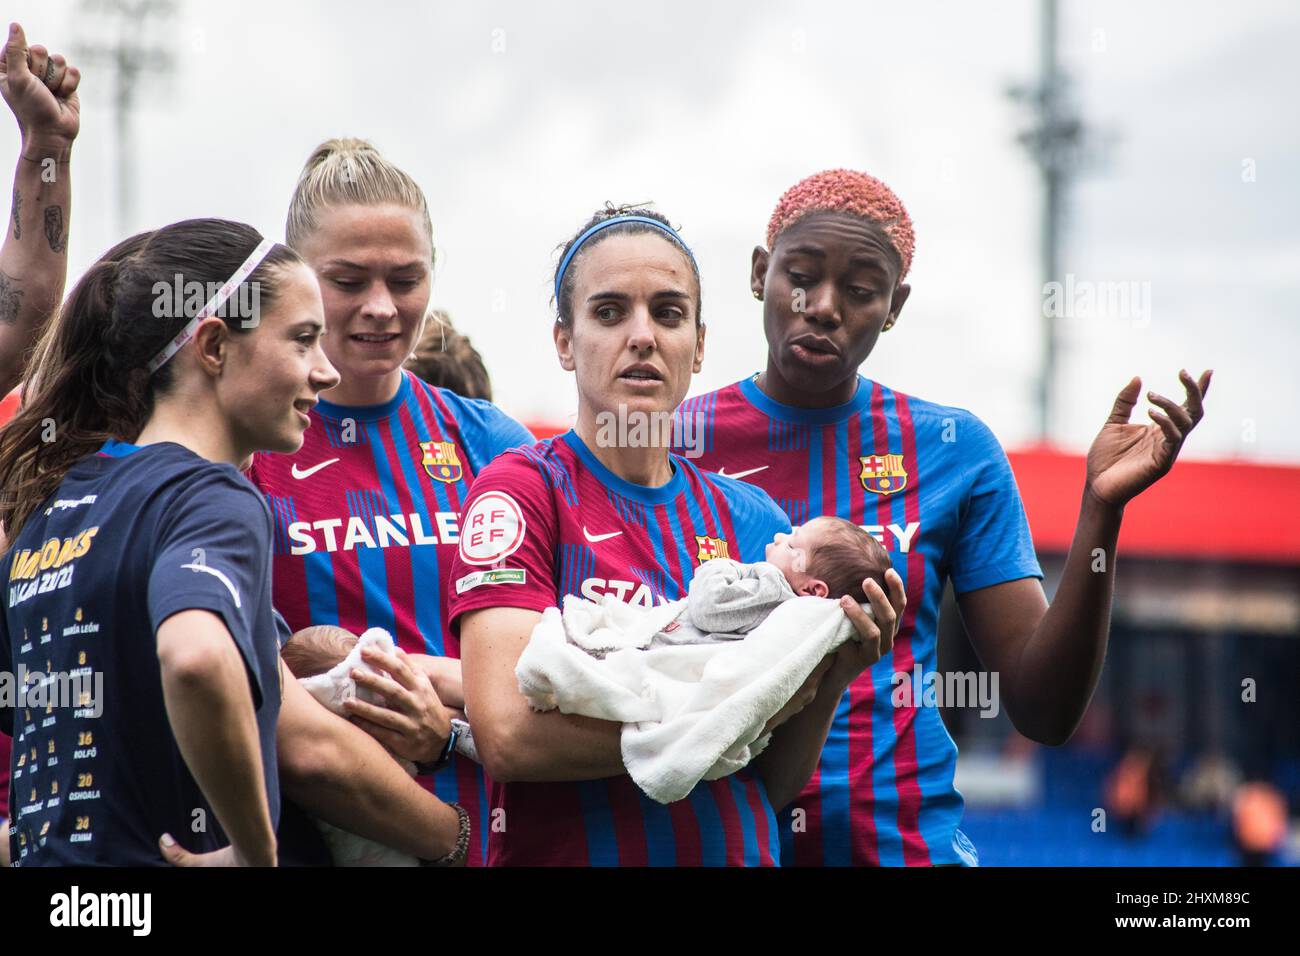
711, 548
440, 461
883, 474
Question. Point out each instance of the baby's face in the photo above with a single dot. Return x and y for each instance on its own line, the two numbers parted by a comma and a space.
792, 552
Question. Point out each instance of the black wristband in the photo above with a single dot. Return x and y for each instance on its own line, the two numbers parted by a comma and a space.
447, 748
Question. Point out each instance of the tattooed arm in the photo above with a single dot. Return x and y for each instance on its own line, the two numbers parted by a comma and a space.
41, 90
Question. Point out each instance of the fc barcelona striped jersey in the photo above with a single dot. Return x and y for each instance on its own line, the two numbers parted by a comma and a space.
935, 488
550, 520
367, 519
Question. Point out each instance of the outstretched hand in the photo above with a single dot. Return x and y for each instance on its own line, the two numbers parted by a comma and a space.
41, 89
1126, 459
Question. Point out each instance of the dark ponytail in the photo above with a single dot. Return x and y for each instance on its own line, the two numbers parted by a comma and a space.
88, 381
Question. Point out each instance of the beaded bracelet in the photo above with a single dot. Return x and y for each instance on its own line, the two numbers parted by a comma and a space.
461, 849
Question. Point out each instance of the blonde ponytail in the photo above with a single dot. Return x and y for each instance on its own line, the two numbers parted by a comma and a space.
343, 172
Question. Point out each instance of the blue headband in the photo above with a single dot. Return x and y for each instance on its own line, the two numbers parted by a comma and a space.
577, 244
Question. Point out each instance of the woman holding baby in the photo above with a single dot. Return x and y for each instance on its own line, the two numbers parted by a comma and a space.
570, 516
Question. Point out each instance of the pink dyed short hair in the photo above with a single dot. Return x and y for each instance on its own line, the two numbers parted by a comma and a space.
844, 190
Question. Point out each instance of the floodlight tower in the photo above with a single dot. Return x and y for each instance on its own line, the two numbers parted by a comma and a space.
126, 39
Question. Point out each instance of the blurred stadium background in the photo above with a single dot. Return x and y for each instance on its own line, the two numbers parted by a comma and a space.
1189, 754
1033, 140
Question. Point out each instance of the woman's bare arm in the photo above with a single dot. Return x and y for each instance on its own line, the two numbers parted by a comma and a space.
1049, 659
210, 708
516, 742
340, 774
34, 256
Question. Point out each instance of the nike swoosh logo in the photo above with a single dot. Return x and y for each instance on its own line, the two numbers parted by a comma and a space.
301, 473
743, 474
598, 538
234, 592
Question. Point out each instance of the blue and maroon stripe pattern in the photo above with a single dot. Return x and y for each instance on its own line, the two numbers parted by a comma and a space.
364, 534
883, 792
568, 498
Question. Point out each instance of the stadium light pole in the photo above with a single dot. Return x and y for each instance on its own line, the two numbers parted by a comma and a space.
1055, 141
122, 29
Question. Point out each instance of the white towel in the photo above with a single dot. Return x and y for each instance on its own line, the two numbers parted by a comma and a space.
334, 687
690, 712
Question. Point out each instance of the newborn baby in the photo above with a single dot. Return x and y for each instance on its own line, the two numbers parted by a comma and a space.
332, 685
325, 670
695, 681
827, 557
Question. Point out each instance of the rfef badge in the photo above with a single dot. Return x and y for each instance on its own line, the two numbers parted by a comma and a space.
440, 461
883, 474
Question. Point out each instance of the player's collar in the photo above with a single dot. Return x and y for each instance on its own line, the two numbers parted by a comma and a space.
117, 449
621, 486
368, 413
807, 416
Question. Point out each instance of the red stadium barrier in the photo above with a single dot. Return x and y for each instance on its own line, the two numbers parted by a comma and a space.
9, 405
1166, 521
1172, 518
1169, 519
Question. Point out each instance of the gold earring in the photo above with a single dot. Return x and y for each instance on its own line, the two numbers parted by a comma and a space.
889, 325
758, 295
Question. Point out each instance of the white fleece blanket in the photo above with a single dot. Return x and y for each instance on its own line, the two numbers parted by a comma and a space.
690, 711
334, 687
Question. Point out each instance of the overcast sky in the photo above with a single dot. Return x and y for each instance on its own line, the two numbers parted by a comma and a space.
519, 119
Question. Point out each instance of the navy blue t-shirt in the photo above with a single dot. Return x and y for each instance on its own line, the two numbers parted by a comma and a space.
131, 537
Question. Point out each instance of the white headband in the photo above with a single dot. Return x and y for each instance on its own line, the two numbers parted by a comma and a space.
217, 301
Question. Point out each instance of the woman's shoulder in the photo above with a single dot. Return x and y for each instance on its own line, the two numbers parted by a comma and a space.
164, 463
949, 423
154, 491
179, 479
536, 465
485, 428
168, 460
481, 412
916, 405
733, 489
743, 498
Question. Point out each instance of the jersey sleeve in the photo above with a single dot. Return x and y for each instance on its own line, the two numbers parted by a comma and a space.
508, 539
282, 629
756, 518
485, 430
213, 554
993, 543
